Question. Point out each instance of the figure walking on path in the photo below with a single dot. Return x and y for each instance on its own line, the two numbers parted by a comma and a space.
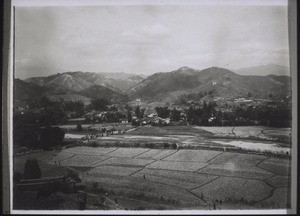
144, 176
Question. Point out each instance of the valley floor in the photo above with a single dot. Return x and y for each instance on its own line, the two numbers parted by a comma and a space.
157, 178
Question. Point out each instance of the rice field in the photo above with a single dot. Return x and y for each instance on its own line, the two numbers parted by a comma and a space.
277, 166
250, 132
170, 181
257, 146
112, 170
176, 165
235, 189
238, 158
88, 150
60, 157
246, 131
156, 154
134, 185
127, 152
182, 179
193, 155
83, 160
279, 181
279, 199
183, 174
118, 161
236, 170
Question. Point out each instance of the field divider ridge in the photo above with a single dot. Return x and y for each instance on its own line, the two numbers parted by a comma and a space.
231, 176
214, 157
136, 171
268, 157
108, 157
196, 195
111, 151
196, 171
93, 167
68, 157
205, 183
141, 153
169, 155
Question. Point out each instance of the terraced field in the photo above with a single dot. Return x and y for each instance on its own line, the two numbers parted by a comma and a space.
190, 177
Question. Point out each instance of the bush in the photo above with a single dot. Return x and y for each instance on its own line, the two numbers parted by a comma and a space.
51, 136
79, 127
166, 145
32, 169
174, 146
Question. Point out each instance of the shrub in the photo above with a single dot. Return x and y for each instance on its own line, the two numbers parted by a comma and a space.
79, 127
173, 146
32, 169
51, 136
166, 145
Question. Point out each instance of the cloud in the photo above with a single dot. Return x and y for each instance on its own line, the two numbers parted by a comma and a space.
146, 35
156, 30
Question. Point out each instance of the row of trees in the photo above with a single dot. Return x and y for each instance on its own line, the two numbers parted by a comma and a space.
35, 136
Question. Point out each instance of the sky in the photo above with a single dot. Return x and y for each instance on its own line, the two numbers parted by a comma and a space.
145, 39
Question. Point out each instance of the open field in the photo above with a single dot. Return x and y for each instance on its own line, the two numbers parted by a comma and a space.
251, 138
193, 156
184, 177
156, 154
236, 189
251, 132
142, 164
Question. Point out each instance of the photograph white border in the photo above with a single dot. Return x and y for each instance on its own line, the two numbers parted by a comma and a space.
293, 67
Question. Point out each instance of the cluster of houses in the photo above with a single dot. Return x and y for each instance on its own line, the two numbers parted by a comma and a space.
154, 120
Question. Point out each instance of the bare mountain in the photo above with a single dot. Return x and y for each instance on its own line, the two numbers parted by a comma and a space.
78, 80
217, 81
265, 70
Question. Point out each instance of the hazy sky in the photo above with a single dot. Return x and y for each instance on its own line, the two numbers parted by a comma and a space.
148, 39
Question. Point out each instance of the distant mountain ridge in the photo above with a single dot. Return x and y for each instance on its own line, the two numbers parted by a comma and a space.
78, 80
161, 87
265, 70
223, 82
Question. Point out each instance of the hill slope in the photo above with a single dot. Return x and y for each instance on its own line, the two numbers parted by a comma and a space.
97, 91
78, 80
220, 81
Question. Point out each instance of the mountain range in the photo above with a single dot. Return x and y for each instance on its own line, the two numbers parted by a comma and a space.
265, 70
162, 87
220, 81
78, 80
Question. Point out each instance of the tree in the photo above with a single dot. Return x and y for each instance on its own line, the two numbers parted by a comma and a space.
99, 104
137, 111
175, 115
75, 106
32, 169
129, 117
270, 95
162, 112
51, 136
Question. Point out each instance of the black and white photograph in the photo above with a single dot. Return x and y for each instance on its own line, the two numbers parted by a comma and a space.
152, 106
